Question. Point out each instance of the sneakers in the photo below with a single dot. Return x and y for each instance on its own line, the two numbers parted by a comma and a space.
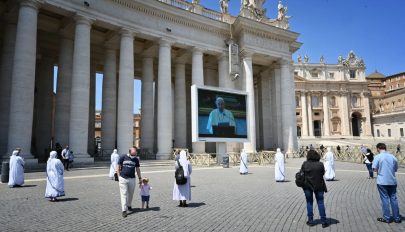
129, 208
124, 214
310, 223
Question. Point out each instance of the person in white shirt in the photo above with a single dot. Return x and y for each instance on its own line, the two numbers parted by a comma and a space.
243, 170
329, 165
145, 192
65, 157
220, 116
114, 163
279, 166
16, 174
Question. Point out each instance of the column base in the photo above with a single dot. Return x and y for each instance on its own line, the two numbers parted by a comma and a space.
83, 159
162, 156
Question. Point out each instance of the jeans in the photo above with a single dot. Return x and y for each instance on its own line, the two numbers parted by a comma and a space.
388, 195
310, 202
370, 170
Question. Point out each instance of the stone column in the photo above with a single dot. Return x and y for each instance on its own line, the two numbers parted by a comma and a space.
92, 111
287, 108
44, 90
109, 100
304, 114
63, 88
197, 78
310, 121
180, 129
345, 114
164, 118
23, 79
248, 74
79, 107
366, 106
326, 119
266, 110
125, 116
210, 76
224, 80
147, 105
278, 116
7, 55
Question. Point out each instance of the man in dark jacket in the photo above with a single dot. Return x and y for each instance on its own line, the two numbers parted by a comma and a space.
315, 185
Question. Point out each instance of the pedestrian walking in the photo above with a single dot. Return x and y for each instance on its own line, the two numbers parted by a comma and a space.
145, 192
314, 185
398, 148
329, 165
385, 164
55, 185
243, 169
16, 173
113, 167
127, 166
279, 170
368, 160
182, 192
65, 157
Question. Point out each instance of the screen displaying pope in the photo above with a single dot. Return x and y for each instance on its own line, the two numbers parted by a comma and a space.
220, 116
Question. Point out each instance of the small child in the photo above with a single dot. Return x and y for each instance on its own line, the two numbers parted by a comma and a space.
145, 188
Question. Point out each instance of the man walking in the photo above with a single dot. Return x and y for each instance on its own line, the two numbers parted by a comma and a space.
65, 157
127, 165
385, 164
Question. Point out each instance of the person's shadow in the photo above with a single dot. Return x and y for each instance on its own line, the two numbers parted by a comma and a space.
26, 186
330, 221
67, 199
196, 204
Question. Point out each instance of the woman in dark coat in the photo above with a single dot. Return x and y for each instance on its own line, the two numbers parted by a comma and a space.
315, 185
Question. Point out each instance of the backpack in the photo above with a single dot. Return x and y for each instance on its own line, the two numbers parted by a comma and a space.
179, 175
300, 178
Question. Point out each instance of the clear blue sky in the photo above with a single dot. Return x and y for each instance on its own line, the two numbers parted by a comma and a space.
373, 29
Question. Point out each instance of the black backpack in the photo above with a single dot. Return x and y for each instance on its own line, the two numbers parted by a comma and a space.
179, 175
300, 180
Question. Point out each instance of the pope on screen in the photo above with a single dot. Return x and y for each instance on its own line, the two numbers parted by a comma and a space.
220, 116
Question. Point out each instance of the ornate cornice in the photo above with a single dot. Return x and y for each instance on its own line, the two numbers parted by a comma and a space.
184, 17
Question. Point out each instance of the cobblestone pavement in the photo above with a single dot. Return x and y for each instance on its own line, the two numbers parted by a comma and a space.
222, 200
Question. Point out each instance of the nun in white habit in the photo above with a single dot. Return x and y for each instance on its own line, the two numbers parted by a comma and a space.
16, 174
279, 166
55, 186
329, 165
243, 170
182, 193
114, 163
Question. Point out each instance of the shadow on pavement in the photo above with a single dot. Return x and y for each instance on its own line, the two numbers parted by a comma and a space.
26, 186
285, 181
195, 205
151, 209
331, 221
68, 199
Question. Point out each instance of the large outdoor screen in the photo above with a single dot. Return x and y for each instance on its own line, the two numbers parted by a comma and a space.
219, 115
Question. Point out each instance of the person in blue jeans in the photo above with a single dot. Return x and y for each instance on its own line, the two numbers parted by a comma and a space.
315, 185
385, 164
368, 160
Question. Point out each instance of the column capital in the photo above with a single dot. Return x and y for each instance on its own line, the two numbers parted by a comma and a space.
197, 50
246, 54
222, 56
81, 19
165, 42
285, 62
32, 3
126, 33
